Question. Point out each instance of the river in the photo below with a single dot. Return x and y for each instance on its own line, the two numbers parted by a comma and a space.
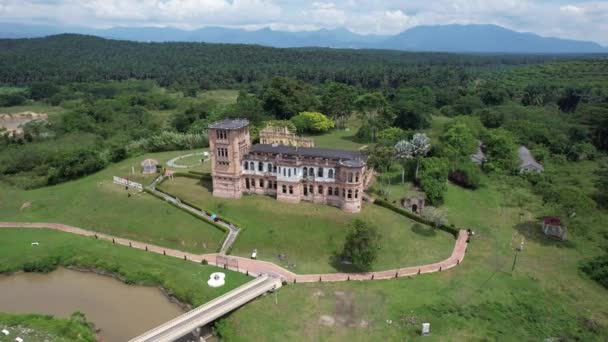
121, 311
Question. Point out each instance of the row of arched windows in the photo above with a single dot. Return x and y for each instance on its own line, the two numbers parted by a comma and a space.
353, 177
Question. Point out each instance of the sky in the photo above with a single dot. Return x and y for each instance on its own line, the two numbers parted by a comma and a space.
575, 19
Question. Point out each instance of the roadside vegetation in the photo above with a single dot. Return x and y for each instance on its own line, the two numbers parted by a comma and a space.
47, 328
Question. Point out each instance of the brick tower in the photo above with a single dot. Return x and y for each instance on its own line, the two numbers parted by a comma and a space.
229, 141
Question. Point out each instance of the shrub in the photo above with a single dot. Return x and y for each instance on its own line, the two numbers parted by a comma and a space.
597, 269
465, 174
312, 122
362, 245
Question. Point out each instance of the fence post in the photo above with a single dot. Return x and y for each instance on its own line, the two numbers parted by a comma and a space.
95, 236
458, 262
418, 271
319, 278
130, 244
164, 252
372, 276
146, 248
185, 257
348, 278
439, 268
294, 280
113, 240
397, 274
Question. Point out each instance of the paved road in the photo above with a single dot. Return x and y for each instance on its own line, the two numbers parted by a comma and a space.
258, 267
206, 313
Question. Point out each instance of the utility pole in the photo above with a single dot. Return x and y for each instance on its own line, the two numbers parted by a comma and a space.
517, 250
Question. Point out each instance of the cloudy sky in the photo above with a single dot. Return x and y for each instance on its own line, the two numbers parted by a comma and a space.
577, 19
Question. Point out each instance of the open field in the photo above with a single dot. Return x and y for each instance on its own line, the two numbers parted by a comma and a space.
36, 107
221, 96
94, 202
309, 233
482, 299
340, 138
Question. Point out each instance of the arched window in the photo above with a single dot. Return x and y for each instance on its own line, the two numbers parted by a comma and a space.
343, 193
246, 165
251, 166
357, 177
330, 173
350, 177
357, 193
284, 188
274, 169
311, 189
305, 172
260, 166
291, 189
350, 194
289, 173
330, 191
320, 190
247, 183
261, 183
320, 172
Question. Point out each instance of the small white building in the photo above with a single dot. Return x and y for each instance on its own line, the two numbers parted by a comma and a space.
527, 161
149, 166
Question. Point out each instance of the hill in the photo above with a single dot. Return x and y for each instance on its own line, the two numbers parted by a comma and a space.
440, 38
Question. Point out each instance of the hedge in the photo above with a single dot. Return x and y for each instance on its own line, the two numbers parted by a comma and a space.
380, 202
186, 175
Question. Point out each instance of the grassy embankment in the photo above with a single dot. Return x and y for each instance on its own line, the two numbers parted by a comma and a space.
95, 202
45, 328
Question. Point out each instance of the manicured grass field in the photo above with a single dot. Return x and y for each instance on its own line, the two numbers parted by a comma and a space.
187, 281
96, 203
480, 300
309, 233
340, 138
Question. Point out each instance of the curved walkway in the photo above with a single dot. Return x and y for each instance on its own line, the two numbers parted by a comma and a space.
257, 267
172, 162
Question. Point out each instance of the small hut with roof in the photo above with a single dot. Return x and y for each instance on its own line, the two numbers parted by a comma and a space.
149, 166
553, 227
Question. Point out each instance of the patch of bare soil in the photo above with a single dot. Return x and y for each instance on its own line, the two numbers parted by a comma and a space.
13, 122
345, 308
327, 320
25, 205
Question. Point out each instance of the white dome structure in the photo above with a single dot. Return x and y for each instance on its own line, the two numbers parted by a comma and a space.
216, 279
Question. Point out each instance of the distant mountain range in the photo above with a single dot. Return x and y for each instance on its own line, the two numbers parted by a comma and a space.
441, 38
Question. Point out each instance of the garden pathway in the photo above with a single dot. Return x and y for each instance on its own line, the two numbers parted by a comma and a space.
256, 267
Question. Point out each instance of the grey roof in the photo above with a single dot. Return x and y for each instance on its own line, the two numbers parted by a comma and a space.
348, 158
526, 159
479, 156
229, 124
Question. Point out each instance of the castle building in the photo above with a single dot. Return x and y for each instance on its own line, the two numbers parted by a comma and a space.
282, 136
288, 173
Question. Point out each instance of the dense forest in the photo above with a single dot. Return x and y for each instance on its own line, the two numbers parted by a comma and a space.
74, 58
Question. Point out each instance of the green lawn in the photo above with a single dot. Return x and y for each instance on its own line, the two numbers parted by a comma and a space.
309, 233
481, 300
96, 203
187, 281
340, 138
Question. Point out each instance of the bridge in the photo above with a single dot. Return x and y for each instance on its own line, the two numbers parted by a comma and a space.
209, 312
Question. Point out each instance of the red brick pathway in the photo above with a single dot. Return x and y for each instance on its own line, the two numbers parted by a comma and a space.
255, 267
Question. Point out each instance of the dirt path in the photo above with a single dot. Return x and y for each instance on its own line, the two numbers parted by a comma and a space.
256, 267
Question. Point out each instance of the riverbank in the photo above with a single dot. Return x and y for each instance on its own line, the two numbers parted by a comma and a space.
44, 327
186, 282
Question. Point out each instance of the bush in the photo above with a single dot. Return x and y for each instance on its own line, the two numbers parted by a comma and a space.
362, 245
379, 202
168, 141
312, 122
465, 174
597, 269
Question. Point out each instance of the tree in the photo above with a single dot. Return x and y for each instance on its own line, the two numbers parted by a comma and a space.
492, 94
467, 104
43, 90
433, 178
491, 118
569, 100
374, 112
413, 107
458, 141
285, 97
392, 135
248, 106
501, 150
601, 185
338, 101
312, 122
416, 148
361, 245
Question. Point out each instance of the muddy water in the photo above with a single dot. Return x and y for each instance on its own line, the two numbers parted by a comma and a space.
121, 311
